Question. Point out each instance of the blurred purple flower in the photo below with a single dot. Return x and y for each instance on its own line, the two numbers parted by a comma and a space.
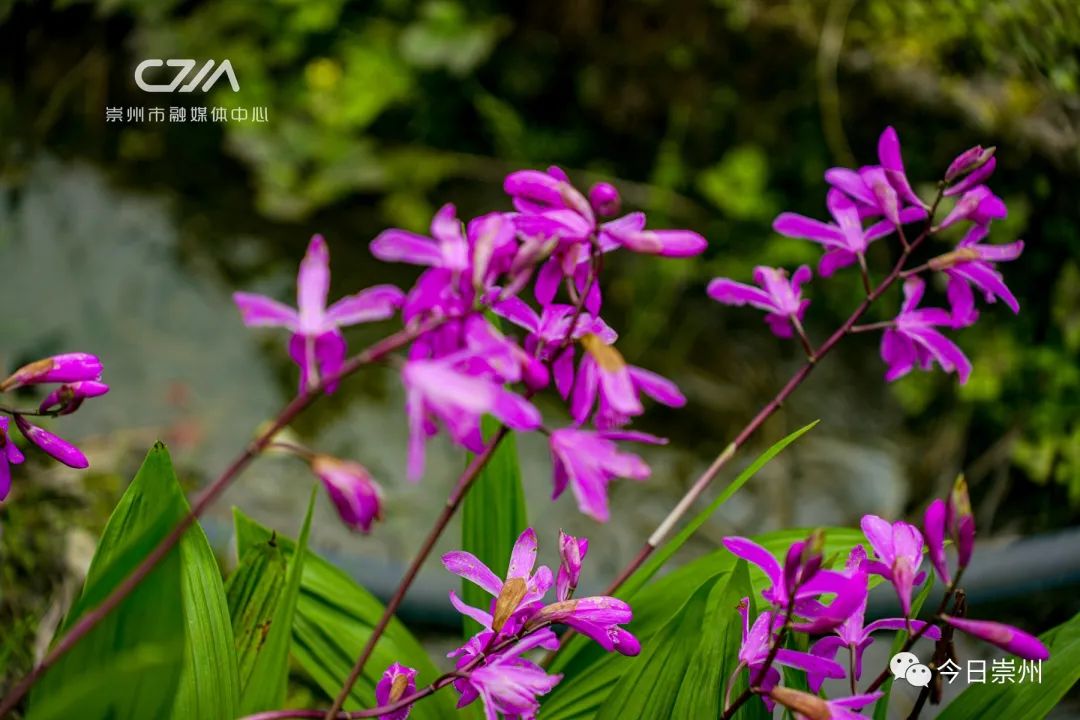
50, 444
588, 461
397, 682
952, 519
898, 554
970, 265
979, 205
914, 341
317, 345
811, 707
9, 455
355, 495
1006, 637
604, 199
67, 398
780, 297
67, 368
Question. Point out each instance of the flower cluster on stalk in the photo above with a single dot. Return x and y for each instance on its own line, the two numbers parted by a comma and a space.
462, 365
77, 377
876, 202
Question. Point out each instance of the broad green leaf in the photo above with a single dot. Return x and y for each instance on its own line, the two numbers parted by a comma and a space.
664, 553
333, 620
168, 647
881, 707
1028, 700
269, 678
492, 516
589, 673
254, 591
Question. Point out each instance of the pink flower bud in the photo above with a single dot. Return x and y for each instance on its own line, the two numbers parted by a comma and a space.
934, 523
571, 551
71, 367
605, 199
50, 444
961, 521
355, 495
66, 399
1006, 637
9, 455
969, 161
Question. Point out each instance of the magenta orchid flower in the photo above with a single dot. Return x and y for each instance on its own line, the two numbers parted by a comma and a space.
844, 240
1006, 637
514, 598
978, 205
597, 617
317, 345
952, 519
9, 455
604, 199
507, 684
914, 341
971, 167
588, 461
898, 550
810, 584
69, 397
441, 389
853, 634
572, 551
356, 496
780, 297
56, 447
605, 380
757, 645
970, 265
66, 368
880, 189
397, 682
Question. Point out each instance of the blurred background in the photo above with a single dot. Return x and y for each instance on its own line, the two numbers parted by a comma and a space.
125, 239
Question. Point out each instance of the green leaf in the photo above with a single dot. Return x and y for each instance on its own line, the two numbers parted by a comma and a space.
254, 591
589, 673
167, 649
269, 677
1029, 700
664, 553
493, 515
333, 620
881, 707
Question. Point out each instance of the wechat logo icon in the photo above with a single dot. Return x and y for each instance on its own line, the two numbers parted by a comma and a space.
906, 666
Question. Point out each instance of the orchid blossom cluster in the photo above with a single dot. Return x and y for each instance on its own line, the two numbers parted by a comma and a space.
77, 377
876, 202
794, 603
464, 366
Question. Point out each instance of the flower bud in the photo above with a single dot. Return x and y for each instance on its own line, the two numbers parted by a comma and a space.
803, 704
1006, 637
961, 521
71, 367
355, 495
571, 551
969, 161
934, 525
67, 398
52, 445
9, 455
605, 199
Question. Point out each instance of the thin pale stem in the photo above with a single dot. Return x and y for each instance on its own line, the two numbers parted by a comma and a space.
808, 347
298, 404
872, 327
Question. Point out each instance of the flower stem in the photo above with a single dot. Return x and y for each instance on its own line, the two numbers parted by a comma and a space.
452, 502
766, 412
298, 404
757, 678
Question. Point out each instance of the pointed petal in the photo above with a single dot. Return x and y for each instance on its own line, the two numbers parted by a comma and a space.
402, 246
468, 566
261, 311
313, 285
375, 303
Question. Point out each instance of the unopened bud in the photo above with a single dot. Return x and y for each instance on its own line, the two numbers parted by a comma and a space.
961, 521
969, 161
605, 199
804, 704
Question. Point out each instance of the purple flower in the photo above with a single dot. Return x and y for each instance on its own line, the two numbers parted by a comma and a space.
571, 552
522, 590
588, 461
974, 165
955, 520
67, 398
971, 264
1006, 637
397, 682
9, 455
317, 345
355, 495
779, 297
898, 550
604, 199
913, 340
756, 646
606, 380
441, 389
845, 240
507, 684
809, 584
597, 617
979, 205
811, 707
52, 445
853, 634
67, 368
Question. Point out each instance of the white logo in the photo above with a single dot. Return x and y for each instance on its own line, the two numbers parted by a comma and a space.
906, 666
186, 66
